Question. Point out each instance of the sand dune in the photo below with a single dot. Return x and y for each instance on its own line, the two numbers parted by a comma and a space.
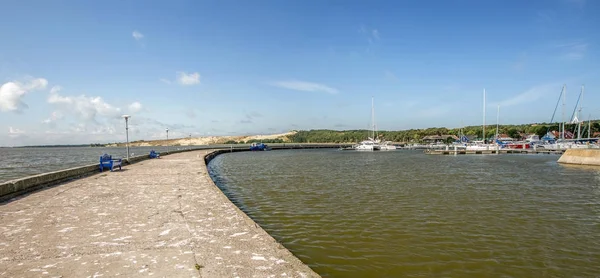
208, 140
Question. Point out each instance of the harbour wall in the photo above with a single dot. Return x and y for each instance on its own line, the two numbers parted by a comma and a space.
16, 187
581, 157
13, 188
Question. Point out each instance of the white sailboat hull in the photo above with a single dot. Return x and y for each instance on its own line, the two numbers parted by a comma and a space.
388, 148
367, 146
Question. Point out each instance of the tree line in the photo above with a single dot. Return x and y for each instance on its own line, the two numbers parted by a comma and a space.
416, 135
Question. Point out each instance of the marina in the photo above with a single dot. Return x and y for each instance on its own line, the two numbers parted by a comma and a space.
493, 151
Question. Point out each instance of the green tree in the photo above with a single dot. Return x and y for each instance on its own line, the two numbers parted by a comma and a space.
513, 133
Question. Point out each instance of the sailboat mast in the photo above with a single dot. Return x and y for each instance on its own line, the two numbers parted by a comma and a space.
497, 121
590, 126
579, 115
484, 136
373, 116
461, 130
562, 134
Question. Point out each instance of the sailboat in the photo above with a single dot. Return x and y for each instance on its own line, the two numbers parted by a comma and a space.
567, 138
372, 143
483, 145
387, 146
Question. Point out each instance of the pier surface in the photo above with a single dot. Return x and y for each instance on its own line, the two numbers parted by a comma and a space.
162, 218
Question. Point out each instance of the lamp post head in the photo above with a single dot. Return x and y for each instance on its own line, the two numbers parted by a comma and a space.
167, 129
125, 117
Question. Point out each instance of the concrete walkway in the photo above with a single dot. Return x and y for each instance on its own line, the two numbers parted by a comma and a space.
161, 218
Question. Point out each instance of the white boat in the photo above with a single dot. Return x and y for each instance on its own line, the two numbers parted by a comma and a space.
481, 145
387, 146
371, 144
368, 145
591, 143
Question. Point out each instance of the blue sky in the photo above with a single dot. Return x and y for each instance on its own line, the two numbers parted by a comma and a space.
69, 69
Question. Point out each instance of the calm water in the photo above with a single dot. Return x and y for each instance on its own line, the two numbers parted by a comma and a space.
22, 162
407, 214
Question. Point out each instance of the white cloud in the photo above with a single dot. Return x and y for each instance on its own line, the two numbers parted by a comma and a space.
12, 130
305, 86
11, 94
137, 35
56, 115
86, 107
55, 89
35, 84
188, 79
135, 107
530, 95
166, 81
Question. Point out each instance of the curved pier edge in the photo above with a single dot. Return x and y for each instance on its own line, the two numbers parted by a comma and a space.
291, 258
162, 217
581, 157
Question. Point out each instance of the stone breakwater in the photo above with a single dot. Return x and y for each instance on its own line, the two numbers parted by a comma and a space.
163, 217
13, 188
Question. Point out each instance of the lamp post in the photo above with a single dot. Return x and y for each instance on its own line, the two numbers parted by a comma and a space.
167, 129
190, 141
126, 117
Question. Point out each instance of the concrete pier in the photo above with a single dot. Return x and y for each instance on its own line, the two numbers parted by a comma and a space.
162, 217
581, 157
